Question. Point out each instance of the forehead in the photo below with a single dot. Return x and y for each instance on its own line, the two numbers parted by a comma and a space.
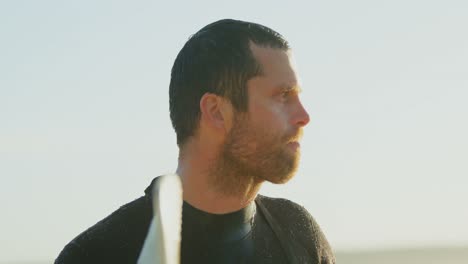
277, 66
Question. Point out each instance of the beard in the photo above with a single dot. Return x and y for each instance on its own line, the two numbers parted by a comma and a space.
254, 153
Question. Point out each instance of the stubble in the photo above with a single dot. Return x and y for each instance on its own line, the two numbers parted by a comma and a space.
251, 155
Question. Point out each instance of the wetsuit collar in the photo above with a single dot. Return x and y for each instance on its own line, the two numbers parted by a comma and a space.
220, 227
217, 227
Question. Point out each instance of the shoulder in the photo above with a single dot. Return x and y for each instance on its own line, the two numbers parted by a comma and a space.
287, 211
119, 235
300, 225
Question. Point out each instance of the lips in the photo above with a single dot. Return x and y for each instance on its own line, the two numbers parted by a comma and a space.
293, 140
294, 145
295, 137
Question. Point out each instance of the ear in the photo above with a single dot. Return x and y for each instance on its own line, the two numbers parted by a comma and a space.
216, 111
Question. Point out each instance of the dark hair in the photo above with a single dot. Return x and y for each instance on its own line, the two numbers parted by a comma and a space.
217, 59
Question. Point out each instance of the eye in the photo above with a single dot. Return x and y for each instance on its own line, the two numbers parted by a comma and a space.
285, 93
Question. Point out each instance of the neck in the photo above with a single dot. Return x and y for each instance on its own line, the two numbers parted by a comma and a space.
209, 189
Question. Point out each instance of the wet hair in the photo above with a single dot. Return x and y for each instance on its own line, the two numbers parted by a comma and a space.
218, 60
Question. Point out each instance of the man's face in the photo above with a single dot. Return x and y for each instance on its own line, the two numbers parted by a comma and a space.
263, 143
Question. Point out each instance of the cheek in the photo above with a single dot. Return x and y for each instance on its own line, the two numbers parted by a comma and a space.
271, 118
268, 127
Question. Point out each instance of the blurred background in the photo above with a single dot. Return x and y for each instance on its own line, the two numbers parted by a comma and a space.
84, 120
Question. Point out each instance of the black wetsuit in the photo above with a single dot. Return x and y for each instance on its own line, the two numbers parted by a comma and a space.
245, 236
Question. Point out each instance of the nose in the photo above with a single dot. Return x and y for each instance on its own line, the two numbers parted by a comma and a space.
301, 117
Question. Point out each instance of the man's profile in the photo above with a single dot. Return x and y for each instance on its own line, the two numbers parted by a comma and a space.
235, 108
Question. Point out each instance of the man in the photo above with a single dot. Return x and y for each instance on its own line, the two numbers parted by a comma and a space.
234, 104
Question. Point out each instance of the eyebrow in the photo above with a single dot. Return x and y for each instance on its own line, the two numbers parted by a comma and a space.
286, 87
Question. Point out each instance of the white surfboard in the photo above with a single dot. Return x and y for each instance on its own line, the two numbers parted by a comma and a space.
162, 243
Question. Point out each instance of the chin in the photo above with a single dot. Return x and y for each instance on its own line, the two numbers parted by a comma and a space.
287, 171
282, 179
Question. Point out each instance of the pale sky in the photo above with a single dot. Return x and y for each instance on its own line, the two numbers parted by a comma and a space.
84, 121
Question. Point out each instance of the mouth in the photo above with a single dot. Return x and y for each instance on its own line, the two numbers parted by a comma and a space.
293, 141
294, 145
